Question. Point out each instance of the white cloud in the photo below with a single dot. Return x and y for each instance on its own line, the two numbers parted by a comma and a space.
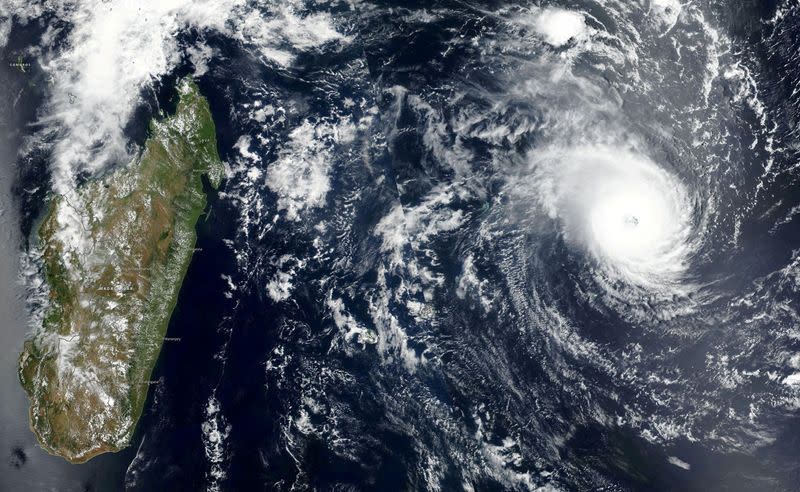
558, 26
300, 174
280, 286
679, 463
200, 56
666, 12
469, 282
215, 430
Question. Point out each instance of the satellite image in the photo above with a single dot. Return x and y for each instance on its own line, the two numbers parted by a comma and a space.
375, 245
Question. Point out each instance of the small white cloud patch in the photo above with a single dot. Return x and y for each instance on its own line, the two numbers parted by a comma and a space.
679, 463
216, 430
300, 174
666, 12
559, 26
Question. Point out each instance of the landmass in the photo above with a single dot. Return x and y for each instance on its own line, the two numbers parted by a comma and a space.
114, 254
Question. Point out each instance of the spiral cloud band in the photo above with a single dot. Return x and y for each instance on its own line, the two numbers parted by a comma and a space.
632, 216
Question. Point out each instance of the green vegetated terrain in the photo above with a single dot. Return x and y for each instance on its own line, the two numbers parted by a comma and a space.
114, 254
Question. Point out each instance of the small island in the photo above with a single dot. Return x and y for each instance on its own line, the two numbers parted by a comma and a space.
114, 255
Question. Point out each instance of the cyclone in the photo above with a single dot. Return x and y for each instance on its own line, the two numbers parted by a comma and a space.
634, 218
